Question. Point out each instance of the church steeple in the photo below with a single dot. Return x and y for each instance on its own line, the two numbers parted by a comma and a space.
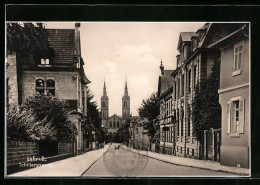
104, 106
125, 103
126, 89
104, 89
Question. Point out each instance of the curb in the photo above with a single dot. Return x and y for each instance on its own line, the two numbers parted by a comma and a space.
218, 170
95, 161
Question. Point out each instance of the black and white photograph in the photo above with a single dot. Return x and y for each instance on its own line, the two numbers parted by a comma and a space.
91, 99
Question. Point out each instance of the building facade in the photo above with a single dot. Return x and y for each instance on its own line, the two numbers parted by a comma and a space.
60, 73
166, 121
194, 64
112, 123
234, 97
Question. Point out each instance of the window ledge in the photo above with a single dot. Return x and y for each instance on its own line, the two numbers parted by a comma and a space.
235, 73
44, 65
234, 134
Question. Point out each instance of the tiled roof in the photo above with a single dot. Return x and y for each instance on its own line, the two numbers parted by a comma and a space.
185, 37
63, 43
165, 82
218, 31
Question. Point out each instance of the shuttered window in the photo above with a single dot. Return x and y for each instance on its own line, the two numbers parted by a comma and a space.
235, 116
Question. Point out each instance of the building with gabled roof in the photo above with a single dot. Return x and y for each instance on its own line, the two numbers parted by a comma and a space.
59, 72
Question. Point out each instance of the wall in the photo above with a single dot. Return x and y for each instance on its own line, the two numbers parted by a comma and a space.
18, 151
65, 148
65, 83
227, 57
11, 75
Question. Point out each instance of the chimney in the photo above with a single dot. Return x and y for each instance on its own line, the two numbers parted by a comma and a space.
162, 68
178, 60
77, 45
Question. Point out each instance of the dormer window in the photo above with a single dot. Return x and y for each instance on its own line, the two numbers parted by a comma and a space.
45, 61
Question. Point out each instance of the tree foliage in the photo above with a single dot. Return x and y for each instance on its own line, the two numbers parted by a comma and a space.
123, 134
27, 37
206, 111
54, 110
93, 121
150, 110
22, 125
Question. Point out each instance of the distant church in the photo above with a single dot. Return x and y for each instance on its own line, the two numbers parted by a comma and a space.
113, 122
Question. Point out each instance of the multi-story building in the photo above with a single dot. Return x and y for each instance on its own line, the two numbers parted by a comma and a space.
194, 65
60, 73
164, 94
234, 97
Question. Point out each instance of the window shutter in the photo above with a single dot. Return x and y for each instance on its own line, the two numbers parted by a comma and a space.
241, 115
228, 117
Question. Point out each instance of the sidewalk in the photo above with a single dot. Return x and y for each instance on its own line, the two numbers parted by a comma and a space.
202, 164
71, 167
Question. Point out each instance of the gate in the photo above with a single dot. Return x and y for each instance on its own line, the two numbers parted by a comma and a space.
212, 142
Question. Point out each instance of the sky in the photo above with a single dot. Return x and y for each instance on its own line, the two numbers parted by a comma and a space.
132, 51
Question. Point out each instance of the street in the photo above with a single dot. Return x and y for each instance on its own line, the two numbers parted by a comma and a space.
124, 163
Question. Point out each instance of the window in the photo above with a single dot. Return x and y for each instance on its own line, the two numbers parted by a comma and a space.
110, 124
235, 116
43, 87
187, 151
189, 82
194, 76
182, 85
189, 120
238, 58
117, 123
50, 87
45, 61
179, 88
103, 103
192, 152
125, 104
175, 86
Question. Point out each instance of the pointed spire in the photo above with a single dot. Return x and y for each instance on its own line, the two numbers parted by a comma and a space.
104, 89
126, 89
162, 68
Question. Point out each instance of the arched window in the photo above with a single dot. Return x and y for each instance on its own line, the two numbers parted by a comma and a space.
39, 86
110, 124
103, 104
45, 88
117, 123
50, 87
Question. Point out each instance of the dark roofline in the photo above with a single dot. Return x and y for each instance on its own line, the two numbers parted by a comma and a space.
168, 91
226, 37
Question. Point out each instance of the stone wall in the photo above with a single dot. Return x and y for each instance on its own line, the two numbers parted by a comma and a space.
11, 81
18, 151
65, 148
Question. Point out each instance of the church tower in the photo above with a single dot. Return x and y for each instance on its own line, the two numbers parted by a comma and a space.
125, 104
104, 106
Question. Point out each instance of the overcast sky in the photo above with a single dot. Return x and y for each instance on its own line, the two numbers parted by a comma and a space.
134, 50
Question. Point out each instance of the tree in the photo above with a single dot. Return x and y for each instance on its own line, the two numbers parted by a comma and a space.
27, 38
150, 110
123, 134
22, 125
206, 111
54, 110
93, 121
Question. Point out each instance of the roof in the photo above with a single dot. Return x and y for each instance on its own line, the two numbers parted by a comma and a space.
165, 82
217, 31
63, 43
185, 37
226, 37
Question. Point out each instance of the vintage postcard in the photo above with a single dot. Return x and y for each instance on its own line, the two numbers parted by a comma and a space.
127, 99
